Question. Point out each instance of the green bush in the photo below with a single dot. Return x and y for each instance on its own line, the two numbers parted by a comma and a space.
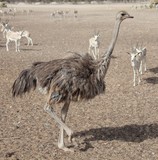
3, 4
154, 1
151, 6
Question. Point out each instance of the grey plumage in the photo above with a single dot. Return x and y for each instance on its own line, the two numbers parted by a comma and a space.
73, 78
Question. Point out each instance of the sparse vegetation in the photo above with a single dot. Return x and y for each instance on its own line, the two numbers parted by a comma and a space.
3, 4
76, 1
154, 1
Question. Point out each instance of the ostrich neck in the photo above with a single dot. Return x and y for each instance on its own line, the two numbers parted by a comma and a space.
105, 60
114, 39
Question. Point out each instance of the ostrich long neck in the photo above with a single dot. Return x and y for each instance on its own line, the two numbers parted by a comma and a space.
105, 60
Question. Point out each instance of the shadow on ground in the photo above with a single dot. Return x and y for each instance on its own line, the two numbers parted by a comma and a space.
30, 49
128, 133
114, 57
153, 80
2, 46
154, 70
35, 44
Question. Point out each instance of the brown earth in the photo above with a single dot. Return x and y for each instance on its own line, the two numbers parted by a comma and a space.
119, 125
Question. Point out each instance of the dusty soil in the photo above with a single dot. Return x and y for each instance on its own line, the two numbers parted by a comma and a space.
121, 124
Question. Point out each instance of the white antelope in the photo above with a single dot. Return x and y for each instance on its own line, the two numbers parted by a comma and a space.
75, 13
138, 59
143, 61
26, 34
94, 44
53, 14
15, 37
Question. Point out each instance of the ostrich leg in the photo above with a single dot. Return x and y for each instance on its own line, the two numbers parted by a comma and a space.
64, 112
61, 144
51, 112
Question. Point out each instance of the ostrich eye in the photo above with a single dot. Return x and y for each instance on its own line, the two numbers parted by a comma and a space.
123, 14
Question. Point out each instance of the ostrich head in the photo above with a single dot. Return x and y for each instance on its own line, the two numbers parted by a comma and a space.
123, 15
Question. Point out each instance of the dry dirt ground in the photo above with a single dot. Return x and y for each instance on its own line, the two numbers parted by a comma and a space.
121, 124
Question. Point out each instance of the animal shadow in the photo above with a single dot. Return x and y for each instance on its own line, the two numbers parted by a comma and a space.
9, 154
30, 49
128, 133
35, 44
153, 80
2, 46
154, 70
114, 57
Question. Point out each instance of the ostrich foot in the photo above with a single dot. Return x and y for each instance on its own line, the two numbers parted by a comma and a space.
66, 149
73, 141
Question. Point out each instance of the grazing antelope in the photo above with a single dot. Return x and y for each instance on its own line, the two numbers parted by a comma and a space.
53, 14
26, 34
75, 13
5, 26
13, 36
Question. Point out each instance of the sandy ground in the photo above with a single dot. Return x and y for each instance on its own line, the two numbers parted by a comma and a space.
119, 125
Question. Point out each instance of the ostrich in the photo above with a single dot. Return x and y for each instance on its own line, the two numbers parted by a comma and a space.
78, 77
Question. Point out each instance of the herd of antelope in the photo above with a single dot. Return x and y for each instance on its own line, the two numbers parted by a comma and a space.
11, 12
63, 13
137, 54
14, 36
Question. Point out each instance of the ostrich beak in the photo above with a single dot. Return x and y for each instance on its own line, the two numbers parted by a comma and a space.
130, 16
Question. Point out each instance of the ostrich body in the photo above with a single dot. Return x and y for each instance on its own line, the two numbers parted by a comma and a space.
64, 80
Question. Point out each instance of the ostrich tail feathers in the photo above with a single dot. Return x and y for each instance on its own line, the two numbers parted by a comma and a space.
24, 83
